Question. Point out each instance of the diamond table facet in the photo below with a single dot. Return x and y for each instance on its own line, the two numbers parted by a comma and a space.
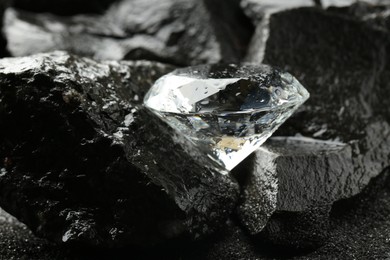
226, 111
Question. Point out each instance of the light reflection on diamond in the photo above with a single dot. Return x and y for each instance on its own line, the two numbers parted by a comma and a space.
226, 111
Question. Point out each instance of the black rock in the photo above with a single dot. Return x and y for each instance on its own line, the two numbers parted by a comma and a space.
342, 133
359, 225
197, 188
359, 228
293, 175
347, 90
82, 163
259, 11
176, 32
374, 15
356, 228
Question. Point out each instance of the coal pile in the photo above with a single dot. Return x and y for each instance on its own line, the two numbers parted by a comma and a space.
88, 172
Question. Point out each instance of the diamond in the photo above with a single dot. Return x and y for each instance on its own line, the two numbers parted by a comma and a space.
226, 111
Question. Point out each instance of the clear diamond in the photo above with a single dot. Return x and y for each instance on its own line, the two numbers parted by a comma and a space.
226, 111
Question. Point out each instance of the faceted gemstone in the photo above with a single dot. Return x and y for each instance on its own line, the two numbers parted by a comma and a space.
225, 111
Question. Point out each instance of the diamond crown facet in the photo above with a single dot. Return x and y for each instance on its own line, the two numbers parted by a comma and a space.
226, 111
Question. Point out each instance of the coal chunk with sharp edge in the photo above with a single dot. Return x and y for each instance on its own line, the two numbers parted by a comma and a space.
82, 163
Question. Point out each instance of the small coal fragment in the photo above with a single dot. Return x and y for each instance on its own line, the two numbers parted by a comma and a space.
82, 163
176, 32
294, 175
341, 136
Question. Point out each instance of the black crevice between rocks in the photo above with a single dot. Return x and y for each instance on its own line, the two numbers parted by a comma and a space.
229, 10
63, 7
3, 43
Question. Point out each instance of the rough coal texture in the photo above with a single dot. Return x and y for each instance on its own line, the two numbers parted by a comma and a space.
298, 193
198, 189
232, 243
259, 11
17, 242
355, 82
288, 175
343, 63
347, 101
293, 183
360, 224
359, 230
373, 15
71, 132
297, 232
178, 32
59, 158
